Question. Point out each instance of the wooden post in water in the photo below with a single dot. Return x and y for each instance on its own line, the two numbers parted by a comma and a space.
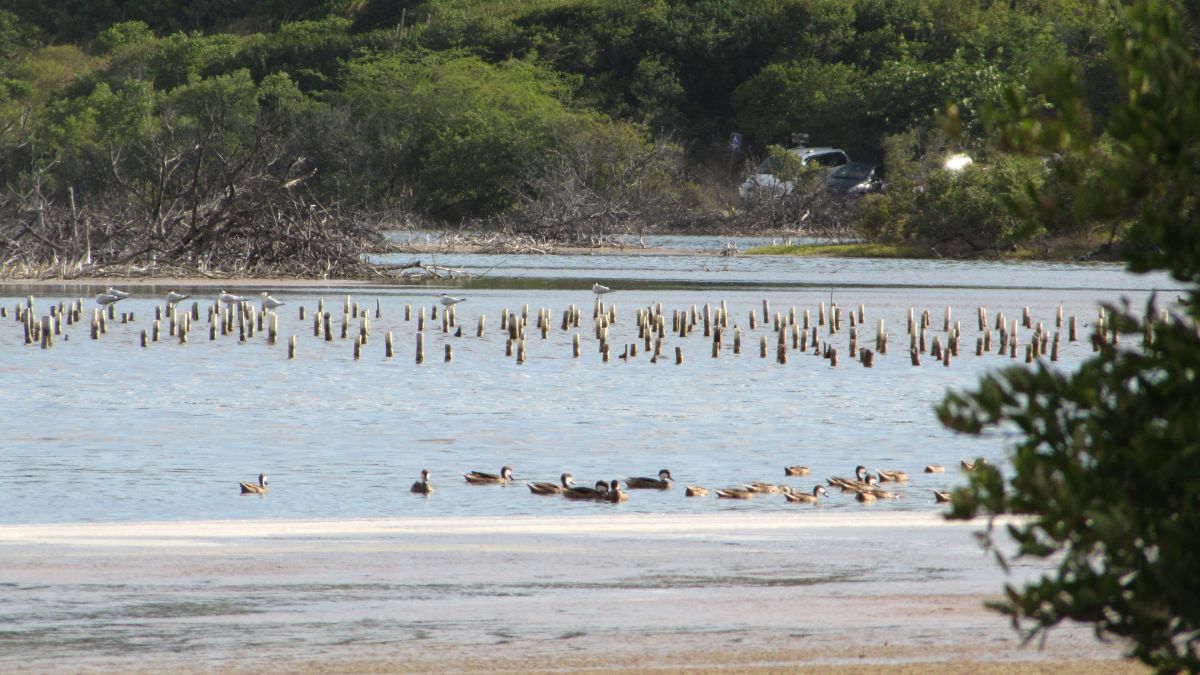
833, 358
781, 354
154, 335
1071, 334
292, 347
737, 340
144, 340
1058, 317
387, 345
916, 357
1054, 348
345, 324
357, 347
420, 348
946, 357
520, 351
679, 355
862, 313
479, 329
273, 330
1026, 318
867, 357
982, 319
421, 319
766, 310
575, 345
946, 324
378, 309
821, 314
327, 325
449, 353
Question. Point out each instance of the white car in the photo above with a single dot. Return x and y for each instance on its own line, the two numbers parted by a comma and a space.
764, 182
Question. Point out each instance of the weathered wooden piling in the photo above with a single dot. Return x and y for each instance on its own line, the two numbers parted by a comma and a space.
420, 348
154, 334
327, 325
916, 357
292, 347
520, 351
678, 355
867, 358
144, 340
421, 319
449, 353
833, 357
1054, 348
781, 354
1071, 334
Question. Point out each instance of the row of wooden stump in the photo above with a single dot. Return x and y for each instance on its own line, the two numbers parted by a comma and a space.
795, 331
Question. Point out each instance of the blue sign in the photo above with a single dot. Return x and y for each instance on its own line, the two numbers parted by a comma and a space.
735, 142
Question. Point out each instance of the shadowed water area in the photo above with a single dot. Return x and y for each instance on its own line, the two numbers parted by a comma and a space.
105, 430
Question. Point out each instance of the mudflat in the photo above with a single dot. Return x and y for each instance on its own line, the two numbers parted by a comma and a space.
612, 592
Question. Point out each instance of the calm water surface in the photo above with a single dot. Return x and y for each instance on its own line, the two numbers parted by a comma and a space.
108, 431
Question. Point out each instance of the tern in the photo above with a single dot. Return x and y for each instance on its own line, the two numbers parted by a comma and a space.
173, 297
448, 300
270, 303
229, 298
600, 290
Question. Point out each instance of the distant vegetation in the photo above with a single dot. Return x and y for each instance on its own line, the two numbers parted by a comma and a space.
194, 134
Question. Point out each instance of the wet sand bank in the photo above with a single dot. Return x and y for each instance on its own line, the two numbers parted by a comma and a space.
742, 592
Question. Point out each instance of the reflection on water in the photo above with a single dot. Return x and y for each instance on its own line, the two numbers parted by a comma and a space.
106, 430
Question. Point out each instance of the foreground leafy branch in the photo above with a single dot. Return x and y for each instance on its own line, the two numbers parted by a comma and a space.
1106, 458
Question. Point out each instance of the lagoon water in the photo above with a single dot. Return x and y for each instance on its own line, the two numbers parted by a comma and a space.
108, 431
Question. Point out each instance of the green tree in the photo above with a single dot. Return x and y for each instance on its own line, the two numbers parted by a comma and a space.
1105, 464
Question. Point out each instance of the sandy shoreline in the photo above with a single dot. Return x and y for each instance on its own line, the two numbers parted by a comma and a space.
622, 592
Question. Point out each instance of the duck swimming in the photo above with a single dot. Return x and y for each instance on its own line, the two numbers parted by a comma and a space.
696, 491
552, 488
252, 489
580, 492
806, 498
796, 470
422, 486
735, 493
481, 478
614, 494
661, 483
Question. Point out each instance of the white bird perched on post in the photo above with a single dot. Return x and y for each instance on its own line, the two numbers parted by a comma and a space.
270, 303
173, 297
105, 299
600, 290
449, 300
119, 295
229, 298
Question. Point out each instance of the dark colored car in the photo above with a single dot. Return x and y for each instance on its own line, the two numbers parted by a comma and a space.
855, 179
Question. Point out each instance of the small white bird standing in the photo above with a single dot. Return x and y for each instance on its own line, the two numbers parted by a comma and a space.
448, 300
120, 295
105, 299
600, 290
229, 298
173, 297
270, 303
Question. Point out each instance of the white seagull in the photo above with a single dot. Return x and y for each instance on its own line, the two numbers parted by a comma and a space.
229, 298
600, 290
105, 299
173, 297
448, 300
120, 295
270, 303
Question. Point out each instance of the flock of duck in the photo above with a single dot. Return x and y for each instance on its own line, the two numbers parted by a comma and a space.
864, 485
